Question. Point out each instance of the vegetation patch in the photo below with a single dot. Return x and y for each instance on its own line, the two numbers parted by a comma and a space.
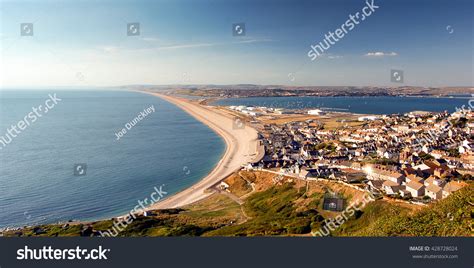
273, 212
449, 217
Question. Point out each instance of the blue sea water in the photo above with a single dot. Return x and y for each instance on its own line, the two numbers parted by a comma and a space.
359, 105
37, 185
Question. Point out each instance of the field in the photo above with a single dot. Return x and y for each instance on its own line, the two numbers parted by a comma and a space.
330, 121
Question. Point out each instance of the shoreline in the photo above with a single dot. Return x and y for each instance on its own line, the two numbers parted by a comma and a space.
342, 96
242, 146
212, 101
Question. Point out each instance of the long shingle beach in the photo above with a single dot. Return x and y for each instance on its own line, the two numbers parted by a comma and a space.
242, 147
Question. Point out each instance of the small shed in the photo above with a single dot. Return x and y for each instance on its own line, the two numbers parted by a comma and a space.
333, 204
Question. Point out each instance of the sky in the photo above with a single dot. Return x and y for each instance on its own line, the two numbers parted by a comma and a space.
85, 43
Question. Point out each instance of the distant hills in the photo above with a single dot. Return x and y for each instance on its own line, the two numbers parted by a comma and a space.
250, 90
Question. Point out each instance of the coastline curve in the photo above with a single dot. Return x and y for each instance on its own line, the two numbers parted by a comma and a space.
242, 147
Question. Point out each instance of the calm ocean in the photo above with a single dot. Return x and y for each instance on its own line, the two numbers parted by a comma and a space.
359, 105
37, 184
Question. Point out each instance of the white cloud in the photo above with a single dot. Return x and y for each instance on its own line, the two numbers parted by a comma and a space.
246, 41
255, 40
149, 39
187, 46
333, 57
381, 54
114, 49
109, 49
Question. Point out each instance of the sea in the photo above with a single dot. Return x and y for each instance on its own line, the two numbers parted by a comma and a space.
38, 182
359, 105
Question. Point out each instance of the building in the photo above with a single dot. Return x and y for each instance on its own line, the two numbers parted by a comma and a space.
223, 186
368, 118
434, 181
434, 192
415, 188
391, 187
303, 173
404, 192
382, 174
451, 187
412, 177
375, 185
333, 204
316, 112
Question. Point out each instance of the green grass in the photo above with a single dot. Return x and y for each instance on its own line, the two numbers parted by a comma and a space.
274, 212
449, 217
154, 226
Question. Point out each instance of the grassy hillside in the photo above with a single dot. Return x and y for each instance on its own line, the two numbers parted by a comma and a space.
273, 212
285, 210
449, 217
210, 214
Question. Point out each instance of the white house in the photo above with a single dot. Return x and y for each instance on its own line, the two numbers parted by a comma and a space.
316, 112
224, 186
451, 187
415, 188
380, 174
391, 187
412, 177
368, 118
434, 192
435, 181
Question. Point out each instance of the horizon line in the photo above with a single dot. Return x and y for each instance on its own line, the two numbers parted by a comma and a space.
225, 85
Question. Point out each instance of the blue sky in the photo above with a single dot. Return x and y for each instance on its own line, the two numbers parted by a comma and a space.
84, 43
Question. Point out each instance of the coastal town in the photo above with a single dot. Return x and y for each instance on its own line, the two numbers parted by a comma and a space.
418, 157
301, 171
